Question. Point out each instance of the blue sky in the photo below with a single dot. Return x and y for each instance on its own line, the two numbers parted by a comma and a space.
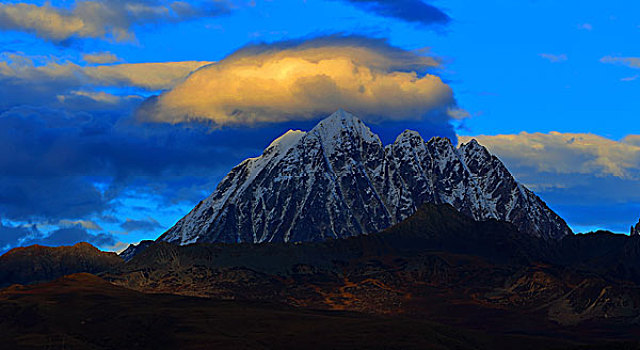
102, 139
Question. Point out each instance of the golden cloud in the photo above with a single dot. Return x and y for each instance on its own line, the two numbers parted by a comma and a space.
296, 82
45, 21
100, 58
107, 19
150, 76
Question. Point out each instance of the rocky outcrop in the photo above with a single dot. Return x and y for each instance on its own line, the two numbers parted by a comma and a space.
635, 230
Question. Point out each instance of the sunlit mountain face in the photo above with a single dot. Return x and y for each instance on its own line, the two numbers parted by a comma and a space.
369, 156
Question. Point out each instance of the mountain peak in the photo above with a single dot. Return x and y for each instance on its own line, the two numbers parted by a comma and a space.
474, 148
439, 140
339, 118
338, 180
472, 144
342, 115
342, 127
408, 135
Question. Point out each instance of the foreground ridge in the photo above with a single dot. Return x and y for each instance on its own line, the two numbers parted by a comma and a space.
338, 180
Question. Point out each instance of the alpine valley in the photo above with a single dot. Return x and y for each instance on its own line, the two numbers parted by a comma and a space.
332, 240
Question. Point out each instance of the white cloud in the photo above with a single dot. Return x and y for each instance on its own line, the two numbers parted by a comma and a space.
554, 58
585, 26
87, 224
633, 62
633, 78
288, 81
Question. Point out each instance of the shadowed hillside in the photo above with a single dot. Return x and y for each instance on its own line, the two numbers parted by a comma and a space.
39, 263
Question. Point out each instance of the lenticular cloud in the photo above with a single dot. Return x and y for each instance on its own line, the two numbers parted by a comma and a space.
299, 81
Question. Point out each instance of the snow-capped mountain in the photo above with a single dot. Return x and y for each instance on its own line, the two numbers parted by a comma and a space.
338, 180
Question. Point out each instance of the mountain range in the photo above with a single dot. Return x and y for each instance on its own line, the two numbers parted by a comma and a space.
338, 180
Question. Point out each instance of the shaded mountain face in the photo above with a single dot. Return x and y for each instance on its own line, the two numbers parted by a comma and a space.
338, 180
135, 249
635, 230
39, 263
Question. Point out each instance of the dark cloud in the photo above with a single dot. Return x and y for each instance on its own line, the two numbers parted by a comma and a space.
415, 11
147, 225
42, 198
45, 142
61, 165
14, 236
70, 236
11, 236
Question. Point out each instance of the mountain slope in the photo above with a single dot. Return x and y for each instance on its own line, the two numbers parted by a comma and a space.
338, 180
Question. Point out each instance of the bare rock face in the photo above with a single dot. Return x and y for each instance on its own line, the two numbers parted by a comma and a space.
338, 180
